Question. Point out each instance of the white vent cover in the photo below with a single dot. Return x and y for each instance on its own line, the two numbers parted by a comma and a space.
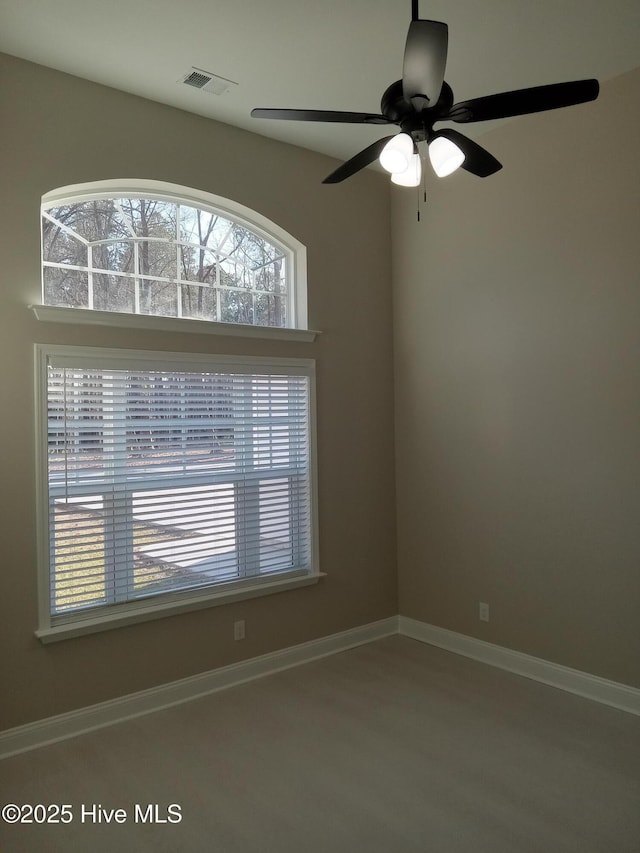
206, 81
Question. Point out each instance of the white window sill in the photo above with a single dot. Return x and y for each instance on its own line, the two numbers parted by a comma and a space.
159, 608
85, 316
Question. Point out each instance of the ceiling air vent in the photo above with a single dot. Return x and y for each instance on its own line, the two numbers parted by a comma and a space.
206, 81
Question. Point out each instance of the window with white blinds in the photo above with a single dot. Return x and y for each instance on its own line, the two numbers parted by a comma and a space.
171, 475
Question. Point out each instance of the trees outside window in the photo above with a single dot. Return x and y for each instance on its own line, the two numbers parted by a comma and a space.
164, 258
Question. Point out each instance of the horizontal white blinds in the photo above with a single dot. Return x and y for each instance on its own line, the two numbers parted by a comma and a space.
168, 480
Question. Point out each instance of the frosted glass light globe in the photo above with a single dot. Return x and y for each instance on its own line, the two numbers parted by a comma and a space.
445, 156
396, 154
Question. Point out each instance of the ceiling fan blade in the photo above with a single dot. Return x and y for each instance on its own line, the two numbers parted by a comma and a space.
425, 57
359, 161
525, 101
321, 115
477, 160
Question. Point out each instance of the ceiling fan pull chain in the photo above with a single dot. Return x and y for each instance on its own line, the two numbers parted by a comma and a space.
423, 172
424, 176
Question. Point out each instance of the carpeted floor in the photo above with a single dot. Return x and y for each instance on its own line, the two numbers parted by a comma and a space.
394, 746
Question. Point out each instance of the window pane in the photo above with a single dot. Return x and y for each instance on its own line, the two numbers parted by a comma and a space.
234, 274
117, 256
270, 277
178, 423
199, 542
159, 298
276, 543
199, 302
157, 259
113, 293
236, 307
66, 287
77, 533
198, 264
255, 251
149, 217
270, 310
75, 428
93, 220
201, 227
152, 573
61, 247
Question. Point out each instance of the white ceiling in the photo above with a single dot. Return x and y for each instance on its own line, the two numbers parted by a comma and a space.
334, 54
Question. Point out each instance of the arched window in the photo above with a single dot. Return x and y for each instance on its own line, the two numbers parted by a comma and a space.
157, 249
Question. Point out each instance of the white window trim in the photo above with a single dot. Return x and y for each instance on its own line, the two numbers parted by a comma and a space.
296, 251
167, 603
116, 320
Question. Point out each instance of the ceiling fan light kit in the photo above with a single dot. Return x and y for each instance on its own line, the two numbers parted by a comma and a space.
445, 156
397, 153
422, 99
411, 176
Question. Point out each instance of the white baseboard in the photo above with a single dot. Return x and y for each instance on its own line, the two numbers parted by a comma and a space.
63, 726
612, 693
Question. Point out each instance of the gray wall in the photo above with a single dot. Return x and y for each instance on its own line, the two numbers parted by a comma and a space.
59, 130
517, 334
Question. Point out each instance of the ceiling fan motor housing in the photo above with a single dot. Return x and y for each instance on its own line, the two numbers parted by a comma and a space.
417, 123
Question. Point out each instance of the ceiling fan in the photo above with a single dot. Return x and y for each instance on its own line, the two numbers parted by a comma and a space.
421, 99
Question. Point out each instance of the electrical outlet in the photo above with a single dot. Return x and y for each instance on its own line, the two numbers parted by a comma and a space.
483, 611
238, 630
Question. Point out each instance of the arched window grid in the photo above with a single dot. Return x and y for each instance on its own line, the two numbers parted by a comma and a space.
215, 265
